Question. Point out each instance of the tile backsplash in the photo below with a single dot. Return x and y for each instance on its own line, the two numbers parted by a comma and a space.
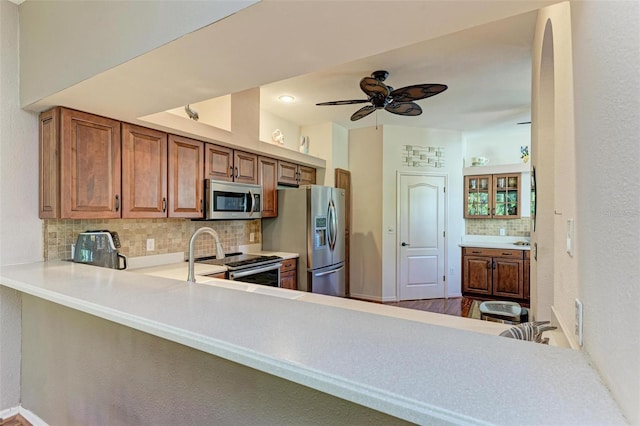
170, 235
512, 227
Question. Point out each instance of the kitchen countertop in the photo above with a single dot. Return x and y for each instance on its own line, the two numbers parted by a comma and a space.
497, 242
408, 368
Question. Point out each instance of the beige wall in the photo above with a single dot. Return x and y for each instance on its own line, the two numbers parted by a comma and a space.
606, 61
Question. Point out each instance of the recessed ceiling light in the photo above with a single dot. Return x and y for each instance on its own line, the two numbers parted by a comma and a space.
286, 98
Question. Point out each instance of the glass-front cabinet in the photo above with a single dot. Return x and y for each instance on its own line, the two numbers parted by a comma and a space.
492, 196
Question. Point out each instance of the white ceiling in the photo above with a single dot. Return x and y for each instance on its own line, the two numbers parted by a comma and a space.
487, 69
318, 50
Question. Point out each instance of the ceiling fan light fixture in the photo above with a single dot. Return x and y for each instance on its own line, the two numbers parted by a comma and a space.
397, 101
287, 99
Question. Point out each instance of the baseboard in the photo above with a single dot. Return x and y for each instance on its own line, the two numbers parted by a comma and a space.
368, 298
9, 412
28, 415
562, 338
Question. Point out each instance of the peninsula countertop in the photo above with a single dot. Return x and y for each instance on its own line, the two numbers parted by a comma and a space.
408, 368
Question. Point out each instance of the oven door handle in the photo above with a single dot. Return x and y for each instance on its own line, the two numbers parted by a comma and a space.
253, 271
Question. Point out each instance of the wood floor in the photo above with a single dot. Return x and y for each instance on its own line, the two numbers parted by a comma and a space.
457, 306
16, 420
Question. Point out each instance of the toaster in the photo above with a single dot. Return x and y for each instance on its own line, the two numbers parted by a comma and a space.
99, 248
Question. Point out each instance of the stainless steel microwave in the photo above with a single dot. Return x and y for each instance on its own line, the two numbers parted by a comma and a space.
230, 200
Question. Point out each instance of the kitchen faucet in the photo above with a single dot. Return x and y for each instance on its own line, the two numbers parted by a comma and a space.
219, 251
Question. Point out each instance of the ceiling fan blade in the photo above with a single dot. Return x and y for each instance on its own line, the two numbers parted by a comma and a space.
362, 112
349, 102
417, 91
404, 108
374, 88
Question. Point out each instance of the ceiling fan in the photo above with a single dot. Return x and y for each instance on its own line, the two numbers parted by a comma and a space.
398, 101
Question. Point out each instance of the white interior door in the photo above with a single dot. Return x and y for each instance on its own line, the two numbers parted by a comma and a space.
422, 254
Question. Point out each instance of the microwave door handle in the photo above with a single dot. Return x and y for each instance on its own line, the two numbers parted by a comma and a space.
253, 202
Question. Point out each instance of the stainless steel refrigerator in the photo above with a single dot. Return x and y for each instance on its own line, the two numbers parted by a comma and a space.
311, 222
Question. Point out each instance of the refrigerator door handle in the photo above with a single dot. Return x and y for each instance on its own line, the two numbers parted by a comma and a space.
333, 271
333, 225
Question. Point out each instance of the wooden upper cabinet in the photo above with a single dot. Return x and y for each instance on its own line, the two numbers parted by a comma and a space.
268, 179
49, 165
218, 163
89, 166
245, 165
144, 172
227, 164
295, 174
186, 177
306, 175
287, 173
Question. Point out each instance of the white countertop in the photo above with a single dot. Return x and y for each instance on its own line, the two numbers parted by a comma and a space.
398, 364
492, 241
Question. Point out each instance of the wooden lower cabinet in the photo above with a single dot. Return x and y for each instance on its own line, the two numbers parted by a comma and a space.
495, 273
288, 274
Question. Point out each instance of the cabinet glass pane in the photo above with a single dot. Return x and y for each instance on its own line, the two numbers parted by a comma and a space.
483, 198
500, 197
513, 182
472, 183
500, 209
512, 210
484, 210
512, 197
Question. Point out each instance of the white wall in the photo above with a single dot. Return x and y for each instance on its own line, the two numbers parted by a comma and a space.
18, 199
606, 60
374, 158
501, 145
330, 142
270, 122
66, 42
394, 138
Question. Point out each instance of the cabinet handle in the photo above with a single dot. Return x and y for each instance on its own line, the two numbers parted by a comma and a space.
231, 171
488, 264
117, 203
201, 206
237, 173
476, 252
493, 265
164, 204
506, 254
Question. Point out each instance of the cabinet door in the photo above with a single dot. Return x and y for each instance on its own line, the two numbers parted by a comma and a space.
186, 180
477, 196
287, 173
306, 175
218, 163
268, 178
245, 167
507, 278
506, 198
89, 166
288, 280
144, 172
49, 160
476, 275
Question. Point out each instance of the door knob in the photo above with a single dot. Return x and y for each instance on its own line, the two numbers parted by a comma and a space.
404, 244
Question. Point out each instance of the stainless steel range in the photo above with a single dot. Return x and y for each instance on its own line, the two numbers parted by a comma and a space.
250, 268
